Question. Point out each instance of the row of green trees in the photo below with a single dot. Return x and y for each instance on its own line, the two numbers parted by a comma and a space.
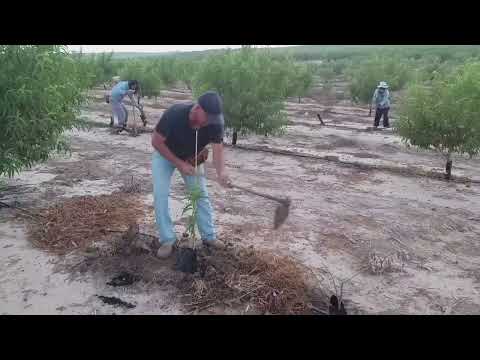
43, 87
253, 82
363, 66
438, 111
96, 69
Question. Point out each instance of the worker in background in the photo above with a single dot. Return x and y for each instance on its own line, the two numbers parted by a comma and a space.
115, 81
119, 91
381, 100
108, 89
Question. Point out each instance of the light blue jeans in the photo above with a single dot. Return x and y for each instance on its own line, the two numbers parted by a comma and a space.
120, 114
162, 171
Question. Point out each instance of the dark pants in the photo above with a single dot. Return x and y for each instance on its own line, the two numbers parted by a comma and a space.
378, 115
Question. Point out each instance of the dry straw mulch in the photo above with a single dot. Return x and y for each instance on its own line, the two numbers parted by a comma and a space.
239, 276
77, 222
236, 277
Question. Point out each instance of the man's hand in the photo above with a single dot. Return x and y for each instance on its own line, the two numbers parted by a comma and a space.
219, 163
186, 169
224, 180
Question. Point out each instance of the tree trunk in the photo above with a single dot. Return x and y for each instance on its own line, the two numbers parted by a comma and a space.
234, 137
299, 100
448, 168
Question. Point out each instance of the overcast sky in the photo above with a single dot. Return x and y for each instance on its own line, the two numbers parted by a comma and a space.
152, 48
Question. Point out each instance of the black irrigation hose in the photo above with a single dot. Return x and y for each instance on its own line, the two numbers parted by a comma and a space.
340, 127
398, 171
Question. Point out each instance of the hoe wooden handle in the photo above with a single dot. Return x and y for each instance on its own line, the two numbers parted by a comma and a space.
282, 201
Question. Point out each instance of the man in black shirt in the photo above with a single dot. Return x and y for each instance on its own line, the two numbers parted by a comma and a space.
174, 142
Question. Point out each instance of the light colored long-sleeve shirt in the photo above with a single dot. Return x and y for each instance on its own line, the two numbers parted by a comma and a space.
119, 91
381, 99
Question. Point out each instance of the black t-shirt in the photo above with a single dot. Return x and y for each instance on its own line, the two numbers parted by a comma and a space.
180, 137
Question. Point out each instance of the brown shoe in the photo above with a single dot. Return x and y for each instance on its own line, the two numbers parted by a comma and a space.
165, 251
215, 244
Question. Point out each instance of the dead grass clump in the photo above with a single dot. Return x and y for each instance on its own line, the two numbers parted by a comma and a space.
379, 264
235, 276
77, 222
131, 187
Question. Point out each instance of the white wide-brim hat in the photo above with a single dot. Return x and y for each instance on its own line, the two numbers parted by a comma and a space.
383, 85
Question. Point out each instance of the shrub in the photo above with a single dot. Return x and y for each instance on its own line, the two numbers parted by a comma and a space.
41, 92
366, 76
445, 115
146, 73
253, 85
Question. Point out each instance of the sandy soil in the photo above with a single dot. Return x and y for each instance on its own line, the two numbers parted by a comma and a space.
341, 217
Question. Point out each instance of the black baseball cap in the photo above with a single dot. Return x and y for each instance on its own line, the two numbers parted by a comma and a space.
212, 104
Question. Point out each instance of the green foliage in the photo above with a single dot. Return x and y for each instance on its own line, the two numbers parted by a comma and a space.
340, 65
445, 115
146, 73
186, 71
96, 68
193, 197
253, 85
3, 185
365, 76
41, 92
167, 70
327, 74
360, 52
153, 74
85, 70
300, 79
104, 67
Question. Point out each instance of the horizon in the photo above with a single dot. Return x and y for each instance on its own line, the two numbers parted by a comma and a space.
155, 48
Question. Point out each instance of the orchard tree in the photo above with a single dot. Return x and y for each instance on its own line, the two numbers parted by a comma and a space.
186, 70
300, 80
96, 68
326, 72
253, 85
146, 73
444, 116
167, 71
85, 69
40, 96
364, 77
105, 67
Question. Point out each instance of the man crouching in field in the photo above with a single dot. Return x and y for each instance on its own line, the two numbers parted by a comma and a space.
174, 144
120, 112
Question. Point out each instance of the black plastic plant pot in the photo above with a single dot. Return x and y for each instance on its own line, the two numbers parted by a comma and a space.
123, 279
186, 260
